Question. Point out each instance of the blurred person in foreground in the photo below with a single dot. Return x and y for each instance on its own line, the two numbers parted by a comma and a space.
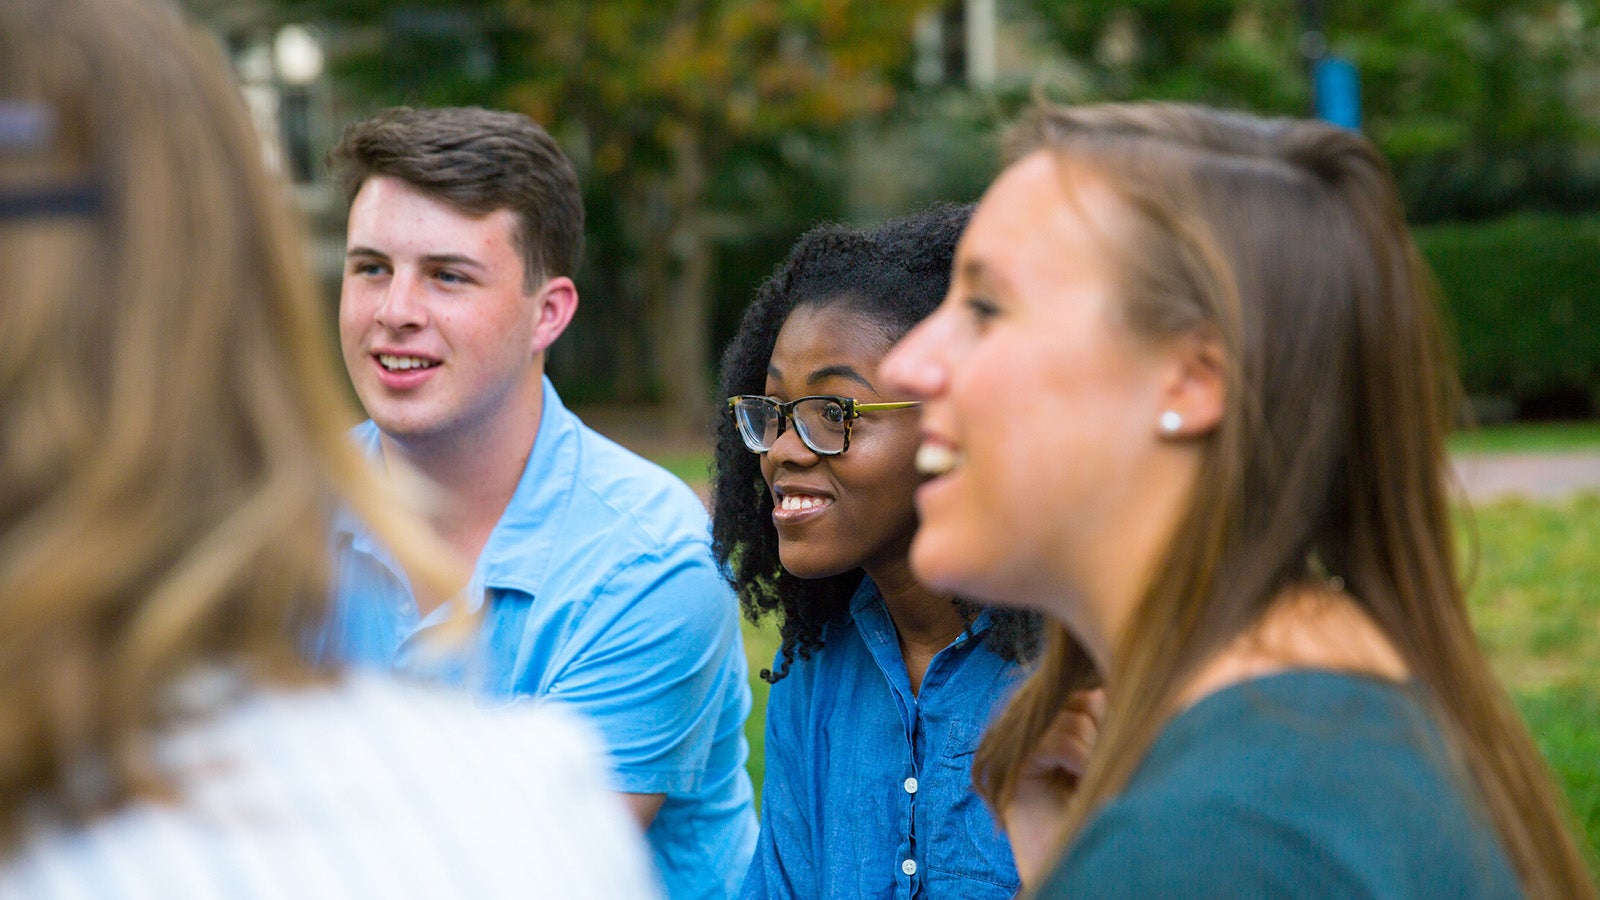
1187, 396
172, 453
594, 579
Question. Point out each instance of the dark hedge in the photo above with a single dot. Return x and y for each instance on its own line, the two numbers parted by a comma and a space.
1523, 300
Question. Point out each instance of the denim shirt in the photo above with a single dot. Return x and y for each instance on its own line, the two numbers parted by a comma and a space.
596, 588
868, 789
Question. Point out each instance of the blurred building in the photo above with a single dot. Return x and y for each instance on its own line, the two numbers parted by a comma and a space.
282, 70
983, 45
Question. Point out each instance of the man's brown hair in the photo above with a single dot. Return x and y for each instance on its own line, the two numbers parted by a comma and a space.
478, 161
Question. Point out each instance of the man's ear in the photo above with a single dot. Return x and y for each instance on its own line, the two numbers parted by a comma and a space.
1196, 393
556, 301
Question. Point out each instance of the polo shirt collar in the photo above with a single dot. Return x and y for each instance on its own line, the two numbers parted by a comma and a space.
519, 549
347, 526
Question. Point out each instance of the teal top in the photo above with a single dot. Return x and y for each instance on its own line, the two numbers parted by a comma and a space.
1301, 784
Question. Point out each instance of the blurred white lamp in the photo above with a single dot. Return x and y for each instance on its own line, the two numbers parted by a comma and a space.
297, 56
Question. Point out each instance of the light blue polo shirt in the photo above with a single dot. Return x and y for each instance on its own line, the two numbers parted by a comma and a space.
598, 589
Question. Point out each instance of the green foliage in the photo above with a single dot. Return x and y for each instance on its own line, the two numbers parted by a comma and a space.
1522, 297
1469, 100
694, 125
637, 74
710, 133
1206, 51
704, 131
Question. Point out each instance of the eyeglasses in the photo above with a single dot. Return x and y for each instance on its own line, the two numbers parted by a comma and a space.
823, 422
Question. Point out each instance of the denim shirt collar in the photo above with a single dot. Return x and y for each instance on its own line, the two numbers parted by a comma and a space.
867, 602
878, 633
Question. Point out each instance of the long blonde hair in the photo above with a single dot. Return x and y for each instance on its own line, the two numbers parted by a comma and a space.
1287, 240
173, 443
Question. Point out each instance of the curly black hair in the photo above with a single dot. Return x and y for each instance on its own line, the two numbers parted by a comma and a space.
895, 274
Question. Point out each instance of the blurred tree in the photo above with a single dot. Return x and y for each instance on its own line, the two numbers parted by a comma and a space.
1468, 98
672, 110
709, 132
1208, 51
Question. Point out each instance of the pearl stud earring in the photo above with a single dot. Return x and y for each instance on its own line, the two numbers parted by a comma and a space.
1171, 421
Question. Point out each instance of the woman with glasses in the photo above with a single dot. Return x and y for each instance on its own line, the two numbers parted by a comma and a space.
881, 687
1187, 396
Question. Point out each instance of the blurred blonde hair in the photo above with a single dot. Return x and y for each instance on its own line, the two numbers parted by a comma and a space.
173, 446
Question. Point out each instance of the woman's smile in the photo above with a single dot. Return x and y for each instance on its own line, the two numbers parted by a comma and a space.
839, 512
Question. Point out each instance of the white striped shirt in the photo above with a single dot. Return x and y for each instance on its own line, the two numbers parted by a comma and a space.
368, 788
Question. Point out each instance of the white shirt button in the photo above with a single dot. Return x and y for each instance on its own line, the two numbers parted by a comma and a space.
909, 867
911, 785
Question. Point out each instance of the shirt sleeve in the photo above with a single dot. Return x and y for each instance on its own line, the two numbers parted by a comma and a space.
785, 864
659, 660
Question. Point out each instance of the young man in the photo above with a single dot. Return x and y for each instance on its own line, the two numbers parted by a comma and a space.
593, 575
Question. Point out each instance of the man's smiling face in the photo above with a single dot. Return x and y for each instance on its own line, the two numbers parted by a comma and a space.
436, 320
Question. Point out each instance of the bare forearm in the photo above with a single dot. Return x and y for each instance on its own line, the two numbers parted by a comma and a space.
643, 806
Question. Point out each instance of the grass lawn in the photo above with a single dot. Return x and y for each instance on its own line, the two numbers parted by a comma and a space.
1535, 597
760, 645
694, 468
1536, 604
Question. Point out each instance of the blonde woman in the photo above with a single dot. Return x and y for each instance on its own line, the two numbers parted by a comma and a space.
1187, 396
172, 451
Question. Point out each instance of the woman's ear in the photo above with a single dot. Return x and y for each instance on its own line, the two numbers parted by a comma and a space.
1195, 395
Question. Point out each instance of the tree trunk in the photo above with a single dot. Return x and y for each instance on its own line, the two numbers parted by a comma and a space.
635, 278
680, 316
